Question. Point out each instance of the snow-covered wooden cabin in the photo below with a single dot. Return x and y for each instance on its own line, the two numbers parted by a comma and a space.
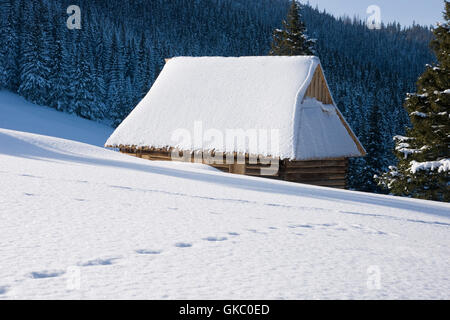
195, 101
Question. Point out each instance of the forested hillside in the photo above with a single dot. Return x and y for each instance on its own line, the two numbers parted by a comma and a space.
102, 70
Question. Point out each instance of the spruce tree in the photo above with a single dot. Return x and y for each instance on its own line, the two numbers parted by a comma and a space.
84, 100
374, 161
57, 89
96, 38
114, 83
11, 44
292, 40
35, 60
69, 71
5, 13
423, 154
143, 65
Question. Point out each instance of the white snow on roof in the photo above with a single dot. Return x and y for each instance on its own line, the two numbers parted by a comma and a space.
321, 133
248, 93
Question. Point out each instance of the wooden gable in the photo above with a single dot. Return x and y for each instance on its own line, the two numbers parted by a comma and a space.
318, 89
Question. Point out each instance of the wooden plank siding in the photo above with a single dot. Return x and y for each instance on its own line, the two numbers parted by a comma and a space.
318, 88
326, 172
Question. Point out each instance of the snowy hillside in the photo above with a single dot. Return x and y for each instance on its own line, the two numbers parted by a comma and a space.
79, 221
18, 114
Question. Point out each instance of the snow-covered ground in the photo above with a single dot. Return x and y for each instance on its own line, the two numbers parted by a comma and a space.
18, 114
79, 221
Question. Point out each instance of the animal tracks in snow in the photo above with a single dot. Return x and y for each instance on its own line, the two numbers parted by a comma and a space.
99, 262
387, 217
256, 231
29, 194
367, 230
215, 239
298, 230
336, 227
145, 251
219, 240
121, 187
183, 245
295, 226
46, 274
29, 176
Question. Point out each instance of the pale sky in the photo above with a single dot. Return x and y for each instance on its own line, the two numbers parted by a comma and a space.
423, 12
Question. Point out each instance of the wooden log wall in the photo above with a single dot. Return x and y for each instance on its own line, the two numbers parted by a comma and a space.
327, 173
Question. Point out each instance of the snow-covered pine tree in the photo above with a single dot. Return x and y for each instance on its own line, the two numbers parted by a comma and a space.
69, 70
99, 69
85, 100
84, 96
423, 154
57, 91
142, 68
35, 62
374, 161
292, 40
10, 45
114, 82
126, 77
5, 9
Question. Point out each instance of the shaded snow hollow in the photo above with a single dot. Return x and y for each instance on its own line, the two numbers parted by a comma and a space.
244, 93
18, 114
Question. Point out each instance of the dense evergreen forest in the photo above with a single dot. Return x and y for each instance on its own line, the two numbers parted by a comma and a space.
102, 70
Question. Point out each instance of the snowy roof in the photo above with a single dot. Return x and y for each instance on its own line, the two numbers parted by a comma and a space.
265, 94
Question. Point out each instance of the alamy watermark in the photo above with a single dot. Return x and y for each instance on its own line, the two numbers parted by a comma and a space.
374, 278
250, 146
73, 280
74, 20
374, 19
